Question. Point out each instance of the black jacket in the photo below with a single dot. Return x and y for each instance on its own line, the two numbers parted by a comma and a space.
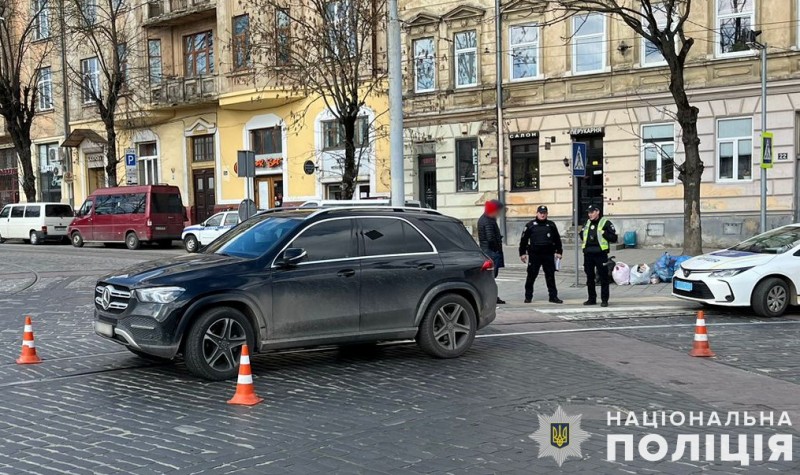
489, 234
540, 237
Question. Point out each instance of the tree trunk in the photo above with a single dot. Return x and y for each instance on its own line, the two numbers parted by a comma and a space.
691, 171
349, 168
111, 155
23, 144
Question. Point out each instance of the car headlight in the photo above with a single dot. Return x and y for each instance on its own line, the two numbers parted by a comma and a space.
728, 272
159, 294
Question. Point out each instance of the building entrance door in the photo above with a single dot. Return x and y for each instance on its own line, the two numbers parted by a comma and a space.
269, 192
590, 188
427, 180
204, 195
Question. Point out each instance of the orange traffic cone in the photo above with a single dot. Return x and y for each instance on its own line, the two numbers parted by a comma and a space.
700, 346
245, 393
28, 355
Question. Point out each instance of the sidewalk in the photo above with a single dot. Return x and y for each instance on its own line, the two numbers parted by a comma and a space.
631, 257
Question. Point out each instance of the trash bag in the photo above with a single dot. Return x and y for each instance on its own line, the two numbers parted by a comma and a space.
677, 262
654, 279
621, 274
640, 274
664, 267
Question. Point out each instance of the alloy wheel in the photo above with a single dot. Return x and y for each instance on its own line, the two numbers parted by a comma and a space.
451, 326
222, 344
776, 298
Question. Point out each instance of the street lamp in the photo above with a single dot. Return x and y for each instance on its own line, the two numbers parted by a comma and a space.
752, 43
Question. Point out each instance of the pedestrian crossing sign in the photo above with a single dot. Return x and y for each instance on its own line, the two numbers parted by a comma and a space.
578, 159
766, 150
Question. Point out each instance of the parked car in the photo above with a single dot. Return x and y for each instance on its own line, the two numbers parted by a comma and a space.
130, 215
35, 222
300, 278
762, 272
203, 234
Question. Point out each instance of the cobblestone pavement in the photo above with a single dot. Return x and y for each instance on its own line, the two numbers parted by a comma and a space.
92, 407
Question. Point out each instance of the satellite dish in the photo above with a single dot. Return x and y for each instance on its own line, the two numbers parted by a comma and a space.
247, 208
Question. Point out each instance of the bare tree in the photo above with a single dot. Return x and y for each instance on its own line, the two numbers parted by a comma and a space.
662, 23
109, 72
326, 50
20, 63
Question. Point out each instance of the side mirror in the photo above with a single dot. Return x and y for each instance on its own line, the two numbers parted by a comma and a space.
292, 256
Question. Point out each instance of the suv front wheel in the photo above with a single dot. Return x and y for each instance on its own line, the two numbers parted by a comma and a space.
448, 327
214, 343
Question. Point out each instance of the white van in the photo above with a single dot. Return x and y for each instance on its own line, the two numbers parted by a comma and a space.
35, 222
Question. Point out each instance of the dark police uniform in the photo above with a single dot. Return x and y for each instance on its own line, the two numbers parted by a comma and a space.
596, 236
541, 242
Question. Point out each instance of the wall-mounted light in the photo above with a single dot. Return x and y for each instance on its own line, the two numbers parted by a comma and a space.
623, 48
566, 162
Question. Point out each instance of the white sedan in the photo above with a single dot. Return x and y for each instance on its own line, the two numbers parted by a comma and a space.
203, 234
762, 272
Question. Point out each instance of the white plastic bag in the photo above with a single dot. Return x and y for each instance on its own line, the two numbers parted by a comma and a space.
621, 274
640, 274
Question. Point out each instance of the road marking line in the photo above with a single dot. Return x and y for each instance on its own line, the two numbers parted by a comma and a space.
595, 309
632, 327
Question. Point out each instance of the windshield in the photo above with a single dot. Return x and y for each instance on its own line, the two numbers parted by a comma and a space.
253, 237
776, 241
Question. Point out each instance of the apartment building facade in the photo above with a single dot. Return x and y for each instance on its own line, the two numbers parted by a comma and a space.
590, 79
199, 102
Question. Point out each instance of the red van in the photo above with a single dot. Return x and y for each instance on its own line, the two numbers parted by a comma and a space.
130, 214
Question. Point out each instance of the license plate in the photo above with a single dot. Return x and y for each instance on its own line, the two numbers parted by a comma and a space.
683, 285
161, 228
61, 228
105, 329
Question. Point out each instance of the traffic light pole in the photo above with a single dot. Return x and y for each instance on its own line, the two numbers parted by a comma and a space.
763, 130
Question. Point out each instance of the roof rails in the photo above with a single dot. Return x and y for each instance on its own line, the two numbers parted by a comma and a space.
397, 209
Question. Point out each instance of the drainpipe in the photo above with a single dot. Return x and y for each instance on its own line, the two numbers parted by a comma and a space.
501, 165
65, 104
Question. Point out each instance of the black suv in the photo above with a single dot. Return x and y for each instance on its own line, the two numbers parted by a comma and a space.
300, 278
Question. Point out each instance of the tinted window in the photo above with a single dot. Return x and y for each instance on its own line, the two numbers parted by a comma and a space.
132, 203
327, 240
106, 204
164, 203
58, 211
215, 220
33, 211
86, 208
17, 212
5, 212
449, 234
385, 236
253, 238
231, 219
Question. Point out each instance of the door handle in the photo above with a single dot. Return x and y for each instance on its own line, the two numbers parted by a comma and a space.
346, 273
426, 266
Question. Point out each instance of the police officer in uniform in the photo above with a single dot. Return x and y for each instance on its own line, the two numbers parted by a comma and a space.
597, 234
539, 247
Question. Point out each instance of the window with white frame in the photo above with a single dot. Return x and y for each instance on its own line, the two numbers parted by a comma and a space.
154, 61
524, 42
340, 24
466, 58
424, 65
735, 149
658, 154
41, 21
44, 88
147, 163
588, 43
89, 12
651, 56
735, 18
333, 134
90, 69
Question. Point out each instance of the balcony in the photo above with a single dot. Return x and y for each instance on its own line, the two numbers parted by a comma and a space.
179, 12
184, 91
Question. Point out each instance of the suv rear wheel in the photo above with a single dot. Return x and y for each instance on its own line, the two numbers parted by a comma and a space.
448, 327
214, 343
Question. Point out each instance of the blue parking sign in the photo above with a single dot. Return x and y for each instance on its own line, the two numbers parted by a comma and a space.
130, 159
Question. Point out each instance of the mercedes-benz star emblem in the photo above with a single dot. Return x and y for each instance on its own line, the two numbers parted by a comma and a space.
105, 299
